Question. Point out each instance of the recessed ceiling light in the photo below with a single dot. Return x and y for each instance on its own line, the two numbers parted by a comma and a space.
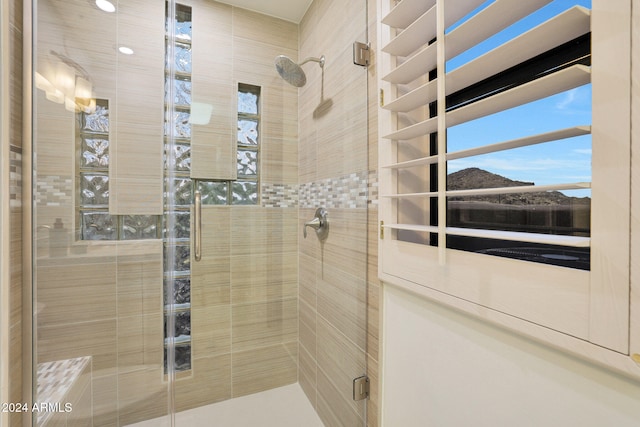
105, 5
125, 50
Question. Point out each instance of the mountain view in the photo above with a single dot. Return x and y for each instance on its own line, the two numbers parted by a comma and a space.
479, 178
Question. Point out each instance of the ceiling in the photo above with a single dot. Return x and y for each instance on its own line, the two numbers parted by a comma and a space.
290, 10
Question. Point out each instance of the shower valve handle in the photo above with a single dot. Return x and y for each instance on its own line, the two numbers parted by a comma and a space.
320, 223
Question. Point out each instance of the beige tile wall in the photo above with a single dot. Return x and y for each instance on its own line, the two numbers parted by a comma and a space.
244, 290
137, 147
244, 304
107, 303
212, 144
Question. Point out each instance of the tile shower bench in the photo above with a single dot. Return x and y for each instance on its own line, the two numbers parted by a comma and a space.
64, 393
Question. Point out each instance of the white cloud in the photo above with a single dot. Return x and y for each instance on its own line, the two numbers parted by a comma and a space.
568, 99
575, 101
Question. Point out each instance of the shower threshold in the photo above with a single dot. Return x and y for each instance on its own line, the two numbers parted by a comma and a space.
283, 406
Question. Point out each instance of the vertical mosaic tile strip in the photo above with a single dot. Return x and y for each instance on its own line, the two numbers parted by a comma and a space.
348, 191
15, 176
372, 187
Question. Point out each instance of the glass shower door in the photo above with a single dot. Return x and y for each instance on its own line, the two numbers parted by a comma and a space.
276, 323
98, 108
141, 109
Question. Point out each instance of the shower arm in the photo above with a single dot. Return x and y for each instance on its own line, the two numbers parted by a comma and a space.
311, 58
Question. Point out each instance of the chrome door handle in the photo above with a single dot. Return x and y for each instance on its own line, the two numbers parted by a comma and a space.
197, 227
319, 223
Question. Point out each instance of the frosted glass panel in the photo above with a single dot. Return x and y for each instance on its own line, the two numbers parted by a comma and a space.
139, 227
214, 193
248, 132
95, 153
182, 192
181, 224
179, 158
182, 357
182, 258
181, 290
98, 226
244, 193
98, 121
247, 102
182, 125
182, 53
94, 190
247, 163
181, 92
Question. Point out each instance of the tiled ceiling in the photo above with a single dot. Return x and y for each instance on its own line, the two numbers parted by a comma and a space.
290, 10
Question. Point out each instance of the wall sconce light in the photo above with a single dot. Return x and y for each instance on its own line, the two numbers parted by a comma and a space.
65, 82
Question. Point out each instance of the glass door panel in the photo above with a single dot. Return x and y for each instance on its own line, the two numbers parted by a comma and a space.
97, 212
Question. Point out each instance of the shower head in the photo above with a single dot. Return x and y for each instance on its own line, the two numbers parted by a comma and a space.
291, 72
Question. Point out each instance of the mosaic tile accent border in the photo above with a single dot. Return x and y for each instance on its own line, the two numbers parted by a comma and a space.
15, 176
348, 191
55, 379
372, 187
279, 195
54, 190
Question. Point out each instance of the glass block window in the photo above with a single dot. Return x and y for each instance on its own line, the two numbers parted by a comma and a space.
178, 190
92, 182
244, 190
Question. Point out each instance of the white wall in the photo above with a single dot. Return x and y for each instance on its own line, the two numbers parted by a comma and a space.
443, 368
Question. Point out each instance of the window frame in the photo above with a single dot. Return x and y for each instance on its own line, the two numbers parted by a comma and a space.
585, 312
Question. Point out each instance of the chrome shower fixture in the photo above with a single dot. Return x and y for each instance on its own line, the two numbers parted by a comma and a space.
291, 72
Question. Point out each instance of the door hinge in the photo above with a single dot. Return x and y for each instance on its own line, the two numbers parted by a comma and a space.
361, 388
381, 230
382, 97
361, 53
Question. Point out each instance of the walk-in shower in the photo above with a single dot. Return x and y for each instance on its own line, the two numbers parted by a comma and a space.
131, 325
291, 72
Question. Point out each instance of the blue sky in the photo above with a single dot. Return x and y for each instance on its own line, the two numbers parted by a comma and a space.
555, 162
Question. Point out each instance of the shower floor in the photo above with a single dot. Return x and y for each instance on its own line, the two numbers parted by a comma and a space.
281, 407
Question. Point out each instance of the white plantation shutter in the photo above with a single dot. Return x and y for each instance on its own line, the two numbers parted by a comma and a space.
414, 42
417, 38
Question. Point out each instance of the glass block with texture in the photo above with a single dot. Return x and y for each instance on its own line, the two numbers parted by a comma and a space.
181, 223
247, 132
178, 157
214, 192
98, 226
139, 227
94, 190
247, 163
247, 102
98, 121
95, 153
244, 193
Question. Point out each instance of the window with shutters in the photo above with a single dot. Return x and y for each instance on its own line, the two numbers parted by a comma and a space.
505, 159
